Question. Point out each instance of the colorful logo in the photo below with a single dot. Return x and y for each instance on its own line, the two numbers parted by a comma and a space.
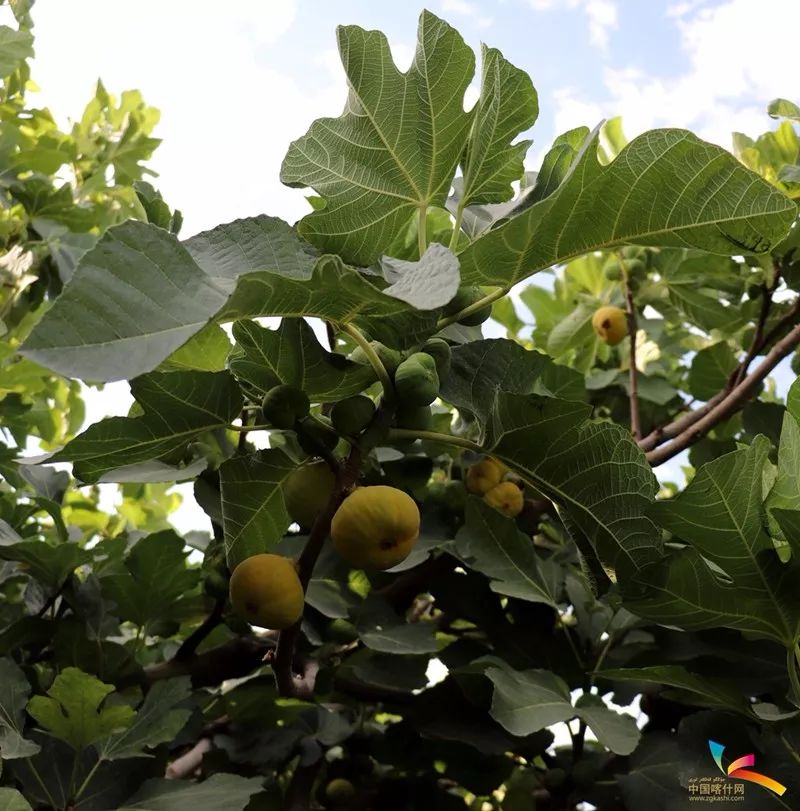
738, 768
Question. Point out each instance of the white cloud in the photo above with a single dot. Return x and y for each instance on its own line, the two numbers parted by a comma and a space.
467, 9
228, 116
601, 15
727, 83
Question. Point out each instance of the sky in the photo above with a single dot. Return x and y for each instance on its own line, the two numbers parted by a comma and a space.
237, 81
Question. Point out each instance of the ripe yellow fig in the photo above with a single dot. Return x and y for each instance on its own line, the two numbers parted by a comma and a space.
610, 324
307, 491
484, 475
265, 590
506, 498
375, 527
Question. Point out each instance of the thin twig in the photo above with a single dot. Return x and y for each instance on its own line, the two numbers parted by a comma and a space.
758, 337
186, 765
633, 384
729, 404
193, 641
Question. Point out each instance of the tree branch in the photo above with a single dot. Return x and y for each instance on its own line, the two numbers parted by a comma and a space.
729, 404
186, 765
758, 336
682, 424
233, 659
633, 385
283, 663
193, 641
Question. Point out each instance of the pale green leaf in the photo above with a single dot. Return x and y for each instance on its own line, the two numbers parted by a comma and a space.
12, 800
15, 47
73, 709
426, 284
507, 106
395, 148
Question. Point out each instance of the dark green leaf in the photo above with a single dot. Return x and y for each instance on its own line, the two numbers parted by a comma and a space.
178, 407
710, 370
254, 513
157, 578
491, 544
292, 354
594, 471
666, 188
14, 692
220, 792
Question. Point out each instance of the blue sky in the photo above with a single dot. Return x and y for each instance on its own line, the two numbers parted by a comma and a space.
236, 82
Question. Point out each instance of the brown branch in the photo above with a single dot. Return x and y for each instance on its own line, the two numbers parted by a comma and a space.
732, 402
633, 384
231, 660
186, 765
283, 662
758, 336
193, 641
298, 792
346, 476
682, 424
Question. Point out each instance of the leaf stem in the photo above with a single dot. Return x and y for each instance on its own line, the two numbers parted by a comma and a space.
457, 227
85, 784
489, 298
372, 357
435, 436
633, 379
40, 781
422, 229
247, 428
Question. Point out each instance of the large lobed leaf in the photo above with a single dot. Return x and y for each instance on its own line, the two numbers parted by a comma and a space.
593, 471
177, 406
666, 188
140, 294
395, 147
291, 354
728, 574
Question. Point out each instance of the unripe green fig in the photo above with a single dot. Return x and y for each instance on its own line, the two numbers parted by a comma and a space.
353, 414
465, 297
414, 418
416, 380
307, 491
390, 358
339, 792
440, 351
613, 272
314, 437
633, 252
284, 405
795, 363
